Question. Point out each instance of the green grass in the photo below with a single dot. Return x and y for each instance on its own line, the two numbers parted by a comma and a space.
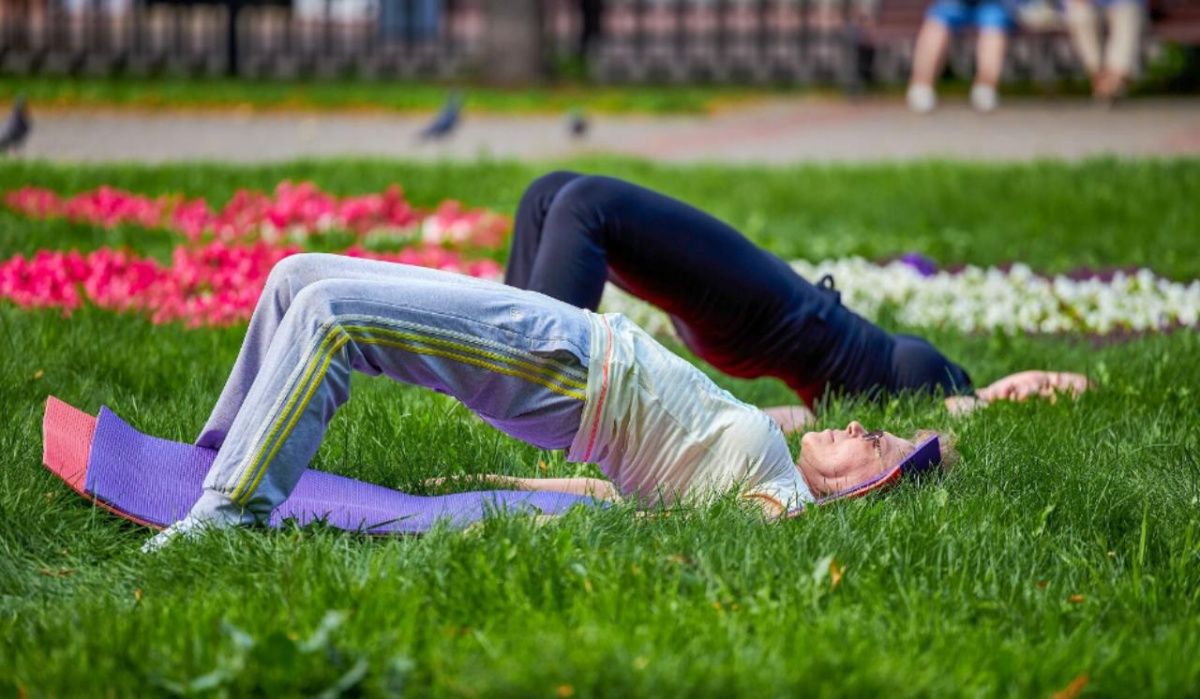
222, 93
1055, 216
1067, 543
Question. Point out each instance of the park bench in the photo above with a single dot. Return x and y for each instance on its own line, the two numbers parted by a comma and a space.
1176, 21
887, 38
1043, 54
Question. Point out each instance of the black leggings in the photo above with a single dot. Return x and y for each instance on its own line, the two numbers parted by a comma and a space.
734, 304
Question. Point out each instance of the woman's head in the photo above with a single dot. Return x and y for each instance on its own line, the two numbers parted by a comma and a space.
834, 460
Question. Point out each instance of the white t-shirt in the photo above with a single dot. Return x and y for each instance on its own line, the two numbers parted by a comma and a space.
662, 431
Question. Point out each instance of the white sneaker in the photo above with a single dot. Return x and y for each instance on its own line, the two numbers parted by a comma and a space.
921, 98
984, 98
187, 528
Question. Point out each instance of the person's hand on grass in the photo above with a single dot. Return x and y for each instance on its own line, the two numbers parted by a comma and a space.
477, 480
791, 418
963, 405
1027, 384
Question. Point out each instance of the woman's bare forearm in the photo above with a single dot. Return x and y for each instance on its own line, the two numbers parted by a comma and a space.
592, 487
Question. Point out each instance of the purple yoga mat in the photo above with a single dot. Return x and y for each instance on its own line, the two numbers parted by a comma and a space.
156, 481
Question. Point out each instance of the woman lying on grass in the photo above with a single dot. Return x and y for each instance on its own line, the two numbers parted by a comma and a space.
543, 371
737, 306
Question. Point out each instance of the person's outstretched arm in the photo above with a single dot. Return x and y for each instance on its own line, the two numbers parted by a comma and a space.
592, 487
1021, 386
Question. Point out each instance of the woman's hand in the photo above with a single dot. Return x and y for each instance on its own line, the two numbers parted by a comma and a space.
486, 480
1025, 384
963, 405
791, 418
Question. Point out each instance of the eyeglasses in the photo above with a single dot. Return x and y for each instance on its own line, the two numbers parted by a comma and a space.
875, 437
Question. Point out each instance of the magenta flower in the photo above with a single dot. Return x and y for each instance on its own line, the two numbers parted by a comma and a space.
210, 285
216, 276
292, 213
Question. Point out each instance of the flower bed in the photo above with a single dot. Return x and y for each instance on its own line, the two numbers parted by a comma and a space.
214, 284
986, 300
217, 272
292, 213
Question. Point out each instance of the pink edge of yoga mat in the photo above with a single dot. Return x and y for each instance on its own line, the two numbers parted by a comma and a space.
155, 481
67, 442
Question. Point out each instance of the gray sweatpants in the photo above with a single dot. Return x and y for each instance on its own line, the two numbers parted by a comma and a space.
516, 358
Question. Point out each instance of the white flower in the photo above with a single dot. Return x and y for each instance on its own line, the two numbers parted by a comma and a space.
984, 299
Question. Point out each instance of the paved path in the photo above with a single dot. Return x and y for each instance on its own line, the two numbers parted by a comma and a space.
780, 131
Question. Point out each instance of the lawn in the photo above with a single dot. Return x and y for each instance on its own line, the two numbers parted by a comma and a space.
1062, 553
396, 96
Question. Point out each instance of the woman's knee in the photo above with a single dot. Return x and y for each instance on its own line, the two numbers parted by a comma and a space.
548, 185
593, 197
295, 272
318, 299
594, 189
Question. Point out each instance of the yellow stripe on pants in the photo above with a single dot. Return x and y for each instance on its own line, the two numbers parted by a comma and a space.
490, 361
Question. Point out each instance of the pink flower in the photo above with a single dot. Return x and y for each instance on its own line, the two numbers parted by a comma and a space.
34, 202
213, 284
452, 225
293, 211
192, 218
215, 278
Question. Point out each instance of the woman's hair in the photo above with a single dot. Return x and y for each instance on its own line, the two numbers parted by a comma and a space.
947, 441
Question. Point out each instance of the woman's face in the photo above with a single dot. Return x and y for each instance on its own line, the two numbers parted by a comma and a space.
834, 460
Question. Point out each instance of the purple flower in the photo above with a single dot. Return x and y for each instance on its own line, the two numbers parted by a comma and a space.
923, 265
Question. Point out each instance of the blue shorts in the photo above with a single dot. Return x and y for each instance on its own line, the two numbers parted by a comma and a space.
986, 15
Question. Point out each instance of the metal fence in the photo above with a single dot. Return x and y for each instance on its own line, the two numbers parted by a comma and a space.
791, 41
322, 38
728, 41
831, 42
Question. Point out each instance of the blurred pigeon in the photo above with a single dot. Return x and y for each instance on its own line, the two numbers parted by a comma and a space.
577, 123
446, 120
16, 128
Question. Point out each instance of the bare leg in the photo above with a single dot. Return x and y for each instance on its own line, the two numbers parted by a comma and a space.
932, 43
990, 56
1124, 33
1083, 23
989, 60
